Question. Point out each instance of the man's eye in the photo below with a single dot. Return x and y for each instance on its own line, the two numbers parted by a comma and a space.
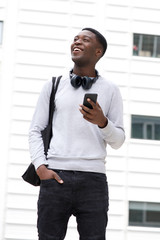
86, 40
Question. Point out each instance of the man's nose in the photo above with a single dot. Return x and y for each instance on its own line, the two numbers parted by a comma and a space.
78, 41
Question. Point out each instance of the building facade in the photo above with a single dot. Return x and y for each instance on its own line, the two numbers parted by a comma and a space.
35, 38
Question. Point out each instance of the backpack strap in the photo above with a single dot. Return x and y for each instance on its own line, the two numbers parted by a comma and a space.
55, 83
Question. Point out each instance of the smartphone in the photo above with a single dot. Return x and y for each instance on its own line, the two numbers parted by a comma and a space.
92, 96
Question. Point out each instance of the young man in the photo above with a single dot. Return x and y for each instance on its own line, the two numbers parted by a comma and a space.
73, 180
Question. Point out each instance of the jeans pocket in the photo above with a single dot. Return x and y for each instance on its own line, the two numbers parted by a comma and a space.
47, 182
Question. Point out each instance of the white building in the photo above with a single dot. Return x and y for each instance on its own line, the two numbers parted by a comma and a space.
35, 37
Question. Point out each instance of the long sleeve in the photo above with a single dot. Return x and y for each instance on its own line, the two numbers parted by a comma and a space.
38, 123
113, 133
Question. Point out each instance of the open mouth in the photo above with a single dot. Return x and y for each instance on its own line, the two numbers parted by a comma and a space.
76, 49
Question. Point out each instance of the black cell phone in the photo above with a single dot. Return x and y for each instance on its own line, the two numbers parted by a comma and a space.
92, 96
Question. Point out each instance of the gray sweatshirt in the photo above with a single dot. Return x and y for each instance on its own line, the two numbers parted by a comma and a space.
76, 143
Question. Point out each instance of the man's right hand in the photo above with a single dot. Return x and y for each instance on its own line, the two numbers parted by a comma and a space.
45, 174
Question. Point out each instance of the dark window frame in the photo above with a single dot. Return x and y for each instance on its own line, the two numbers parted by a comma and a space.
145, 127
1, 32
144, 214
142, 49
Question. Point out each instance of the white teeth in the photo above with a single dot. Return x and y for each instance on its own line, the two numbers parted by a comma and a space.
76, 49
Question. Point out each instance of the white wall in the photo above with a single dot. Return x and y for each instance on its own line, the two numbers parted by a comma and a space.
36, 45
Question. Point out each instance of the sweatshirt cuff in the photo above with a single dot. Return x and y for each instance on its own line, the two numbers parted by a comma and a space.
39, 161
108, 129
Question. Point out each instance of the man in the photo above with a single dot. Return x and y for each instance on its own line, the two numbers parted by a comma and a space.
73, 180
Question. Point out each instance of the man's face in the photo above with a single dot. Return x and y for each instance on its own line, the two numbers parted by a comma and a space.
84, 48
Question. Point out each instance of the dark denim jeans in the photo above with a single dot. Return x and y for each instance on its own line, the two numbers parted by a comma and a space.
83, 194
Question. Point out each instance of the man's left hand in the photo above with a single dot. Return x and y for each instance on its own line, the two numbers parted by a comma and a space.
94, 115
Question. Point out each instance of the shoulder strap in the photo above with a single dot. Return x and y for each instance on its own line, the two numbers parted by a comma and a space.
55, 83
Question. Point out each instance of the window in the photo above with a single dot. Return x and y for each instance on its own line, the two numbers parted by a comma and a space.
146, 45
1, 28
145, 214
145, 127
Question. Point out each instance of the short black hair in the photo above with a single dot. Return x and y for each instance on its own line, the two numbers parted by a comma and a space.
100, 38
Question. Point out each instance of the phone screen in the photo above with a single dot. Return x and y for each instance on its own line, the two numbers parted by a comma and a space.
92, 96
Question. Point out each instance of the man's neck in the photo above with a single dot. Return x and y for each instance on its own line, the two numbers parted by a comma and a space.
83, 71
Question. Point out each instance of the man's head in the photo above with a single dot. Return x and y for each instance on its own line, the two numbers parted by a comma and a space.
99, 37
88, 47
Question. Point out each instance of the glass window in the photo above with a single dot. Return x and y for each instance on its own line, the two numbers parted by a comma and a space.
145, 127
146, 45
1, 28
158, 47
149, 131
157, 131
137, 130
136, 44
144, 214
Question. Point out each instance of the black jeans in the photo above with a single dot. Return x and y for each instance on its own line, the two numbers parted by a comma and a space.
83, 194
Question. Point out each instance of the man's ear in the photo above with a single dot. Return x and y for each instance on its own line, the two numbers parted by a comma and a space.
99, 52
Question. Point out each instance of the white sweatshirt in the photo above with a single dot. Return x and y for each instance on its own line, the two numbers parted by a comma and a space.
76, 143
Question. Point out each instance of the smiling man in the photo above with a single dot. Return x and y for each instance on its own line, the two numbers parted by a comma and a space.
73, 177
87, 50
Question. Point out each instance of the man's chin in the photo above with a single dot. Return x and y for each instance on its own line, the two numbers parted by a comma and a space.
78, 61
